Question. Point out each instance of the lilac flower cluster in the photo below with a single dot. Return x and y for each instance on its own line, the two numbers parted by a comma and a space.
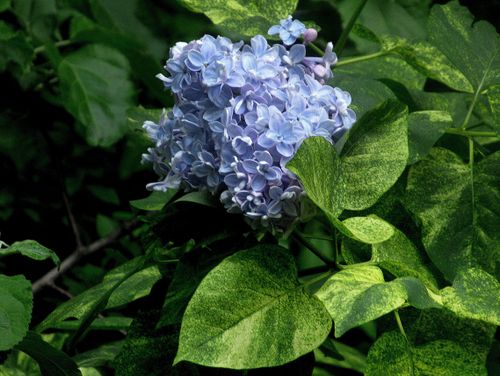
241, 113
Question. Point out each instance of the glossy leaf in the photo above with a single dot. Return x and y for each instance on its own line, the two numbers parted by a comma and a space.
475, 294
52, 362
359, 294
251, 311
247, 18
97, 91
31, 249
458, 209
15, 309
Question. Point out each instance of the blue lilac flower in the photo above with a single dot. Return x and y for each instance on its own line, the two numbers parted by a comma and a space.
241, 112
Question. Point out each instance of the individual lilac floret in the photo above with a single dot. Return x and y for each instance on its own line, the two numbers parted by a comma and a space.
288, 30
241, 112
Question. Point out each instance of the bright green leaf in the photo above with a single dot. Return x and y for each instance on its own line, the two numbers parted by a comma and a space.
250, 311
424, 129
246, 18
97, 91
458, 209
52, 362
391, 355
359, 294
15, 309
155, 201
370, 230
31, 249
475, 294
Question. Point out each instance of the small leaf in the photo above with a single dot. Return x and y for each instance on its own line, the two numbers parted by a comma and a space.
97, 91
199, 197
100, 356
359, 294
155, 201
475, 294
424, 129
52, 362
105, 194
370, 230
103, 323
243, 17
250, 311
391, 355
458, 210
15, 309
31, 249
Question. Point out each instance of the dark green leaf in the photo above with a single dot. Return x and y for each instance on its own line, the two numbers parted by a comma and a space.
458, 209
104, 323
247, 18
4, 5
391, 355
248, 312
199, 197
101, 356
155, 201
475, 294
31, 249
52, 362
15, 309
97, 91
105, 194
424, 129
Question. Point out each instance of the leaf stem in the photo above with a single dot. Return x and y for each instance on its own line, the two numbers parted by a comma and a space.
316, 49
467, 133
62, 43
345, 33
400, 325
358, 59
317, 278
307, 244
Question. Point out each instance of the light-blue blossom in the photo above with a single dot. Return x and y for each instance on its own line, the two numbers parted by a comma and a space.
241, 112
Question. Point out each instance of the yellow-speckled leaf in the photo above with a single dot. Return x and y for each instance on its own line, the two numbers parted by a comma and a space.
370, 230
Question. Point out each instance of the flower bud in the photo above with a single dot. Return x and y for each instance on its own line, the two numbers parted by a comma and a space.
310, 35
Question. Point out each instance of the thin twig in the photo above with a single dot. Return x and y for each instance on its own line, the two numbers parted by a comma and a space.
49, 278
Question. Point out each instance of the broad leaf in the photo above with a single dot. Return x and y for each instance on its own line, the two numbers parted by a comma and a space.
15, 309
473, 49
97, 91
475, 294
359, 294
109, 293
155, 201
392, 355
31, 249
371, 229
458, 209
52, 362
424, 129
370, 163
251, 311
240, 17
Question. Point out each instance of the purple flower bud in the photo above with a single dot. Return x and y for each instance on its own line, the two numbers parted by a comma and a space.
310, 35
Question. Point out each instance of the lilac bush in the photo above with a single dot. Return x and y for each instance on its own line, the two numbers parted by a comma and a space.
241, 113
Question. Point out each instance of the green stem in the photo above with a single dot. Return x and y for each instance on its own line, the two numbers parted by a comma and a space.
343, 37
316, 49
318, 278
307, 244
61, 43
471, 166
358, 59
342, 267
467, 133
318, 237
400, 324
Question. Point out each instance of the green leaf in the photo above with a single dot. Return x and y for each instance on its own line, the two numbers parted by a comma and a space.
246, 18
4, 5
401, 258
39, 18
103, 323
458, 210
475, 294
249, 311
105, 194
15, 310
370, 230
199, 197
351, 357
155, 201
96, 298
52, 362
359, 294
31, 249
370, 163
473, 49
100, 356
391, 355
97, 91
424, 129
105, 225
